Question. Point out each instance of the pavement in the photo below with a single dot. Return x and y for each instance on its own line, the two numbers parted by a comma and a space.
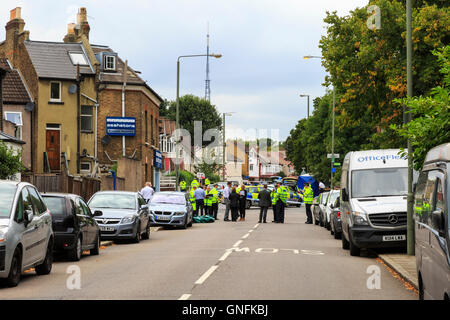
404, 265
222, 260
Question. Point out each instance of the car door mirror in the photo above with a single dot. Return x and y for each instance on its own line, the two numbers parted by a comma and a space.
98, 213
28, 216
437, 218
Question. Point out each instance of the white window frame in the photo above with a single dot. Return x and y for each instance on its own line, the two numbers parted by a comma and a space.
106, 63
15, 112
82, 55
85, 116
60, 91
85, 170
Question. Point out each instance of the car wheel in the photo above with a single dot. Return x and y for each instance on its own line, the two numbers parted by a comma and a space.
96, 250
146, 234
137, 237
75, 253
345, 243
421, 290
190, 223
331, 228
321, 220
249, 204
16, 269
354, 250
46, 266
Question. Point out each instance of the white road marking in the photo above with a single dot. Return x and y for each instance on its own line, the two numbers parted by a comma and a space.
237, 243
185, 297
256, 226
250, 231
245, 236
206, 275
225, 255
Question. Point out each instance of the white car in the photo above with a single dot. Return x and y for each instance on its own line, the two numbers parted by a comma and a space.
332, 196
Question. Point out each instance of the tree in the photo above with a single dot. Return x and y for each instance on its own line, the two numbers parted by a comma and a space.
10, 162
210, 170
192, 109
431, 115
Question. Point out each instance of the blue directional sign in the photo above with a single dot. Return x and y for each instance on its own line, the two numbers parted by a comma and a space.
157, 160
333, 170
121, 126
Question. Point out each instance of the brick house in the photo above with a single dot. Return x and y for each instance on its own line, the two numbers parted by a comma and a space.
122, 93
16, 110
61, 83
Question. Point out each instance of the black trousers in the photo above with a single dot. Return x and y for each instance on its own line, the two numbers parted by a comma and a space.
263, 214
234, 213
200, 206
308, 212
215, 209
280, 211
242, 210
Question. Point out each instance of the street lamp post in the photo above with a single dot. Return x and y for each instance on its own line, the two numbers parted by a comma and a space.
224, 144
332, 130
177, 165
306, 95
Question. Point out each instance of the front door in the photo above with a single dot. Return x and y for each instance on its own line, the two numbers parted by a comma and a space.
53, 149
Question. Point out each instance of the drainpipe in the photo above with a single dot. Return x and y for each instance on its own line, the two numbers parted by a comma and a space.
125, 70
78, 118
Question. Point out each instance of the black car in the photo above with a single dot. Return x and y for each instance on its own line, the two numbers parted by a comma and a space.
74, 226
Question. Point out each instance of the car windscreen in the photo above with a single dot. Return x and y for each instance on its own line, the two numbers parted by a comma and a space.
332, 198
7, 193
253, 190
56, 205
113, 201
168, 199
379, 182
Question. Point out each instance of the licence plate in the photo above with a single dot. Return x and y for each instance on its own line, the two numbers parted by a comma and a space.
394, 238
163, 218
107, 229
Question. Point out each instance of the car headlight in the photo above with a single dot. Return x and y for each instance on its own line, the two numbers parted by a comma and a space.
179, 213
360, 218
3, 231
129, 219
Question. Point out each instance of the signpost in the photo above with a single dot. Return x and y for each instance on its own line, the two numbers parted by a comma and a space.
336, 155
121, 126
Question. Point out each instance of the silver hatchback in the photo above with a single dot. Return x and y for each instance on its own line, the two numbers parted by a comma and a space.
26, 236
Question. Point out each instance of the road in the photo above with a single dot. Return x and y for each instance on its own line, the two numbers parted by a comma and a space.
221, 260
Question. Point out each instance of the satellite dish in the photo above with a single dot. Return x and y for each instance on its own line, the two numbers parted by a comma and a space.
29, 106
73, 88
106, 140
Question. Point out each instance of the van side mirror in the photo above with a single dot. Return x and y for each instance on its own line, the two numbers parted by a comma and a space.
437, 219
344, 194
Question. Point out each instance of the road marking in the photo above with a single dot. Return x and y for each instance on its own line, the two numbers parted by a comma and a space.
237, 243
256, 226
206, 275
250, 231
225, 255
245, 236
185, 296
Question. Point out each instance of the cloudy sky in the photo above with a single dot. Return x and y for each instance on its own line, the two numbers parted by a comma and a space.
260, 75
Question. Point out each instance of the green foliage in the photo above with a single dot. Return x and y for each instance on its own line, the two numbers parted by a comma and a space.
210, 170
192, 109
184, 176
10, 163
431, 115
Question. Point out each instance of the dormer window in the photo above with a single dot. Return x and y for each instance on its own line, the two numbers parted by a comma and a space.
78, 58
110, 63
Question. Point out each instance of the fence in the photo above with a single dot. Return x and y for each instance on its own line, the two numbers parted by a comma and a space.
82, 186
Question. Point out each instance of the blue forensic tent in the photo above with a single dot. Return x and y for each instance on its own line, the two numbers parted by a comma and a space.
307, 178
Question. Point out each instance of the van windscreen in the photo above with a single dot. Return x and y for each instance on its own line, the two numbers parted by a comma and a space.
379, 182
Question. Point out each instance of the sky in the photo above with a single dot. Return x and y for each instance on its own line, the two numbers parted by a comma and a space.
260, 75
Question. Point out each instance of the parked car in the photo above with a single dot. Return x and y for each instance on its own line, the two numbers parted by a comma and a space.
332, 196
432, 225
322, 208
121, 215
374, 186
294, 197
335, 219
26, 236
315, 209
252, 196
171, 209
74, 227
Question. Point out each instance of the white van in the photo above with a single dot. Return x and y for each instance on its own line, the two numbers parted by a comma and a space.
374, 189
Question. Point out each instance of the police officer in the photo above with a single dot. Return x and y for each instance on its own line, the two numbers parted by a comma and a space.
308, 197
281, 202
208, 201
215, 201
207, 182
183, 186
194, 183
192, 200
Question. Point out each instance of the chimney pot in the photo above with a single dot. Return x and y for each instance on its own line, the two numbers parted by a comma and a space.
71, 28
15, 13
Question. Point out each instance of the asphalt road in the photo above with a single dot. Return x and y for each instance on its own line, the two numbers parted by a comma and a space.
221, 260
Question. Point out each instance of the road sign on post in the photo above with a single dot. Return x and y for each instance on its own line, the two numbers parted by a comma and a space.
337, 164
336, 155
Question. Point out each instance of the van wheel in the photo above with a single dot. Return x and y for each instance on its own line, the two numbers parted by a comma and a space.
46, 266
345, 243
16, 269
75, 253
354, 250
